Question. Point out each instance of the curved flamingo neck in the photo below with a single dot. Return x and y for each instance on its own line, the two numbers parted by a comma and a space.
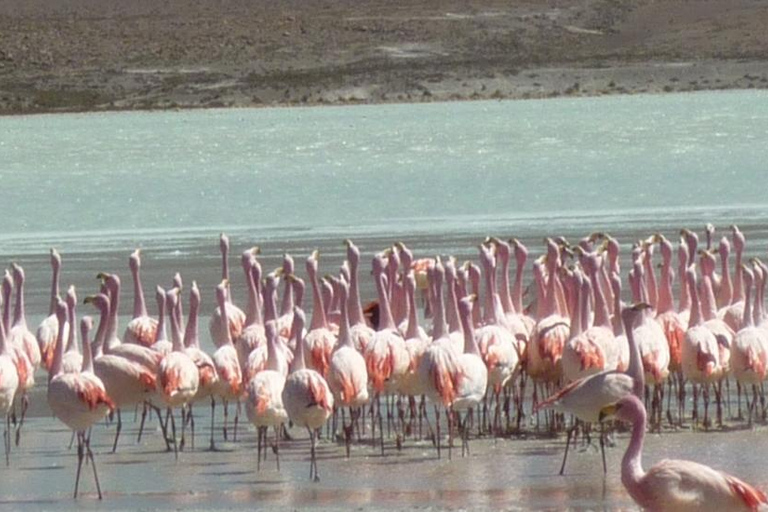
576, 313
139, 304
708, 306
454, 324
319, 319
114, 304
222, 299
747, 319
176, 328
726, 287
695, 318
602, 316
618, 326
356, 316
160, 334
504, 292
3, 342
632, 464
101, 330
684, 303
72, 319
345, 340
550, 306
490, 292
664, 303
385, 313
413, 318
270, 295
191, 332
517, 290
438, 329
58, 355
296, 334
7, 291
738, 288
54, 289
87, 351
19, 316
470, 343
635, 367
650, 279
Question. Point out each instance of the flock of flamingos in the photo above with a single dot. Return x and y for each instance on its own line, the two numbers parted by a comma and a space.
584, 351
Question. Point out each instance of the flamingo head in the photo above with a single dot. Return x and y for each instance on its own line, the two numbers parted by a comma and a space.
738, 238
100, 301
71, 297
406, 256
221, 292
18, 274
194, 296
223, 244
353, 253
55, 259
134, 260
521, 251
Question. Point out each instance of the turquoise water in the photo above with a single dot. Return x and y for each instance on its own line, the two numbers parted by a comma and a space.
439, 176
89, 181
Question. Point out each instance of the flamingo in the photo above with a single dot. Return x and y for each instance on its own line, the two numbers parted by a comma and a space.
386, 357
205, 367
306, 396
227, 365
347, 373
142, 329
585, 397
677, 485
252, 337
19, 334
474, 374
9, 383
438, 369
24, 368
49, 328
77, 399
552, 327
360, 332
700, 352
749, 351
733, 314
127, 382
178, 376
235, 315
264, 403
257, 360
319, 341
582, 355
285, 320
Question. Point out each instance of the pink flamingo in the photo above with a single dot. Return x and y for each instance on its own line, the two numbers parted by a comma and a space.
438, 367
77, 399
178, 376
582, 355
676, 485
252, 337
474, 375
360, 332
20, 333
127, 383
319, 341
749, 351
227, 365
9, 383
258, 358
264, 402
142, 329
700, 352
306, 396
552, 327
386, 357
49, 327
733, 314
234, 313
205, 367
584, 398
347, 373
24, 368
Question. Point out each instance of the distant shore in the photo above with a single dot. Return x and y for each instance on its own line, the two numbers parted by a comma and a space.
137, 55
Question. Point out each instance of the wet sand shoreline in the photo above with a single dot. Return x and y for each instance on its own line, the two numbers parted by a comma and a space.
74, 56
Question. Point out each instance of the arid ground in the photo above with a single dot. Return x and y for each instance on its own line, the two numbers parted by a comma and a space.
76, 55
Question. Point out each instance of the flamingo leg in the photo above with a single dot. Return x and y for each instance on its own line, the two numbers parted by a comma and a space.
212, 445
80, 455
117, 432
173, 431
237, 418
226, 418
93, 464
143, 419
7, 439
24, 406
183, 425
259, 435
567, 447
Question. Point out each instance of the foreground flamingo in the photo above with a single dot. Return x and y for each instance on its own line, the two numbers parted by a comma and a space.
229, 386
142, 328
77, 399
306, 396
20, 333
677, 485
585, 397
